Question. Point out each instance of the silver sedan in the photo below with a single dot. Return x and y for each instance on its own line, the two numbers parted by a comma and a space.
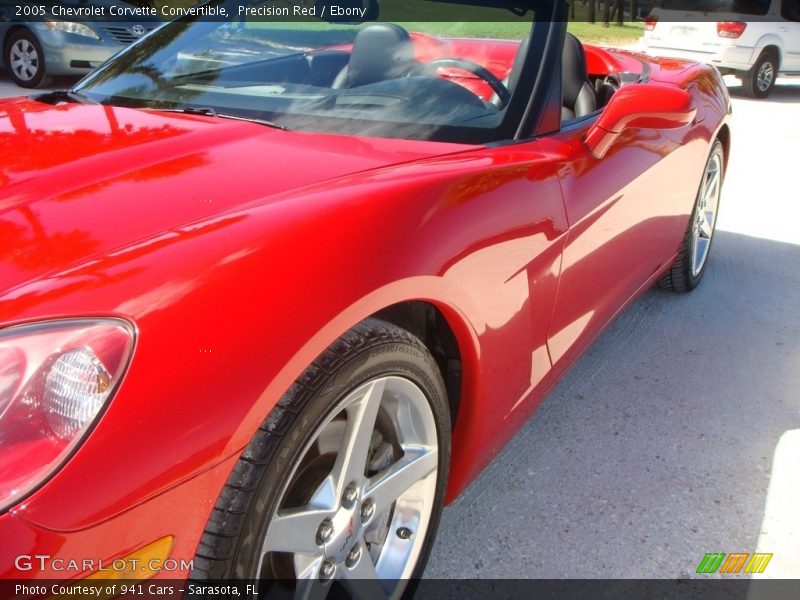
34, 50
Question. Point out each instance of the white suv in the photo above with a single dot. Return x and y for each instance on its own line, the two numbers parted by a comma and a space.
756, 40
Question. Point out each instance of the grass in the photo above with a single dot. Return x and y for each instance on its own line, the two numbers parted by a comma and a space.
613, 35
433, 18
597, 33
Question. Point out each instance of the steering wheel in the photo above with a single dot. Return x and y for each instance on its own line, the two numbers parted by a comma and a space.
430, 68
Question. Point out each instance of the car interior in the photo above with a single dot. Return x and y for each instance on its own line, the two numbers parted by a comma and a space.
379, 72
385, 51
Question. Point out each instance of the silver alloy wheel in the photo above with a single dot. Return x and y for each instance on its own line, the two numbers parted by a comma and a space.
364, 522
705, 216
765, 76
24, 59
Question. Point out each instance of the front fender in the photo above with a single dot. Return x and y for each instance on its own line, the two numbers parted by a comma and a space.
232, 308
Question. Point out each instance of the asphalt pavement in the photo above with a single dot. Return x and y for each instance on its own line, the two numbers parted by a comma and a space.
678, 433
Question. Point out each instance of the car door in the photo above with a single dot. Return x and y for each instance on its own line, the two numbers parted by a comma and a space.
627, 214
789, 31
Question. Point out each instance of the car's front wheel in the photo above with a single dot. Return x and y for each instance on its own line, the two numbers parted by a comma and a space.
24, 59
342, 487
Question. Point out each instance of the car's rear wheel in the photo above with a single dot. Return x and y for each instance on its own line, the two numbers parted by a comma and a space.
689, 266
24, 59
759, 81
342, 487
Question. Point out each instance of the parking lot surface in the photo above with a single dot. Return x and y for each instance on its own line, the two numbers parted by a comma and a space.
678, 433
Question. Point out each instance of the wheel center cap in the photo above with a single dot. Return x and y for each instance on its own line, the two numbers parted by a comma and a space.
347, 530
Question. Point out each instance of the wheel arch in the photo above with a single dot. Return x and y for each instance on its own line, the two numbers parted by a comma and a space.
11, 31
724, 136
770, 44
428, 307
428, 323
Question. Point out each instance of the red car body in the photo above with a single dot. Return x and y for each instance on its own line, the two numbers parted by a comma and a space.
241, 253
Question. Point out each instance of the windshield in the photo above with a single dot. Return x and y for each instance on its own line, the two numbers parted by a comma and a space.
395, 79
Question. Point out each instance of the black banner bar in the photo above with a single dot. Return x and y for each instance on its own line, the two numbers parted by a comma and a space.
702, 588
603, 12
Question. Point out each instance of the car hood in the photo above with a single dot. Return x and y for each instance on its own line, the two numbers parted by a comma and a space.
77, 181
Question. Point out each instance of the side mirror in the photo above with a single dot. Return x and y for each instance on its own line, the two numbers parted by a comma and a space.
640, 105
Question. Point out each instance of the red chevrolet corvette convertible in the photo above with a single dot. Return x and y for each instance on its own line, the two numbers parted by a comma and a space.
273, 293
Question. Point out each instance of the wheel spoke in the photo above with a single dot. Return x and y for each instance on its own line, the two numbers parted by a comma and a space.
706, 228
295, 530
398, 478
700, 254
351, 462
712, 188
362, 580
309, 586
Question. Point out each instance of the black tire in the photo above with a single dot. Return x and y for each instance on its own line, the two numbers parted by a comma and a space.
680, 278
38, 77
230, 546
754, 82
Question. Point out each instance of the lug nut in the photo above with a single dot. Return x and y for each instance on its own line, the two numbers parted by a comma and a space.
367, 510
353, 556
350, 495
325, 532
326, 570
404, 533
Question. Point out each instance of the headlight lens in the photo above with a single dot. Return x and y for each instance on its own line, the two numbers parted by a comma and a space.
55, 379
71, 27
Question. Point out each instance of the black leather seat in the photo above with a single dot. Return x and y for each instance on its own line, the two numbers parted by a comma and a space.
579, 96
381, 51
512, 79
519, 60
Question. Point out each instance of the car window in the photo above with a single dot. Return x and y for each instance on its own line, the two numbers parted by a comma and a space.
790, 10
397, 78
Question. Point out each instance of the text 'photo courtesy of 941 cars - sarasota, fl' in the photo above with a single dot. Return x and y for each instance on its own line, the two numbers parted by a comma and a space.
272, 294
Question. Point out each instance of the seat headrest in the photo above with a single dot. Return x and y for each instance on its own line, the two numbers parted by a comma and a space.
519, 60
573, 69
380, 51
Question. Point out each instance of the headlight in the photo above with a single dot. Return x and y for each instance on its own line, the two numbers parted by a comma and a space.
55, 379
71, 27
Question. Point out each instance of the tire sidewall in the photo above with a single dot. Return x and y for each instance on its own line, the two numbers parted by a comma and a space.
41, 73
395, 358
